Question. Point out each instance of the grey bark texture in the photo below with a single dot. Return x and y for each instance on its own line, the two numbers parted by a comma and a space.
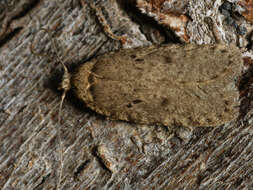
98, 153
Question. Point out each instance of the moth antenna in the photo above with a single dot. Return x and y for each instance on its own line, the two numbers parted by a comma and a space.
31, 44
65, 86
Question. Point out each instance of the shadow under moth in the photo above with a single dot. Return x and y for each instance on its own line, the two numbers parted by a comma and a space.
189, 85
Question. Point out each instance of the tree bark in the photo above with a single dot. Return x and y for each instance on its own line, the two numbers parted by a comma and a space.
99, 153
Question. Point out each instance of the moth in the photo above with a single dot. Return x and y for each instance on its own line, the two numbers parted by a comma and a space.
188, 85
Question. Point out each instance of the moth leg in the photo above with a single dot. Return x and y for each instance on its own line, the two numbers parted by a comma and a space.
182, 132
94, 74
89, 85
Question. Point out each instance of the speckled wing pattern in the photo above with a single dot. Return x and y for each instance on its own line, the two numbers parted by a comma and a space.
187, 85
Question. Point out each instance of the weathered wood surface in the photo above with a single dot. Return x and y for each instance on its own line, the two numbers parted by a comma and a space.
98, 153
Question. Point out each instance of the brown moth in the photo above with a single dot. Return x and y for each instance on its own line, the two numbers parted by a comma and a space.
189, 85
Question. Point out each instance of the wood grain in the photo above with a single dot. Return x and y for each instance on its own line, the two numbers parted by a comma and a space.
102, 154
